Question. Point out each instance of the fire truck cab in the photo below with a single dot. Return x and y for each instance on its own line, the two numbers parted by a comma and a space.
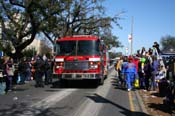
79, 58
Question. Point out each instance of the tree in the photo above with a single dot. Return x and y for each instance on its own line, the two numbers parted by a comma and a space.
29, 52
80, 17
167, 41
19, 25
111, 41
22, 20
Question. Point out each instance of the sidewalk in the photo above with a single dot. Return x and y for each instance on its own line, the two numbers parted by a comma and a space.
154, 104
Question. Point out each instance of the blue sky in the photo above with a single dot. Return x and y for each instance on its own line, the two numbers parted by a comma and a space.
152, 19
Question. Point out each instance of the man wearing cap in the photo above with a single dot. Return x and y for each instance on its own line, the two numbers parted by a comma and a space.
131, 72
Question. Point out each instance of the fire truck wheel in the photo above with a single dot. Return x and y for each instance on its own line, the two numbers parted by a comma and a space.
63, 82
106, 76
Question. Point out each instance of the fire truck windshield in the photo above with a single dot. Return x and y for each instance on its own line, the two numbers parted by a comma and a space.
79, 48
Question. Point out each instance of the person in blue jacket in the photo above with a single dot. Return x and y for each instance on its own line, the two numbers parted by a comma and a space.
123, 70
131, 72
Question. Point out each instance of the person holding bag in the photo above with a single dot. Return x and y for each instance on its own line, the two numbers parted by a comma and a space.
130, 73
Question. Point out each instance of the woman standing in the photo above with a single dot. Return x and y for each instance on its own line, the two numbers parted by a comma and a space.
9, 67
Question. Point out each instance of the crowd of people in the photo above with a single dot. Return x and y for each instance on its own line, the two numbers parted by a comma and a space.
145, 70
151, 72
38, 68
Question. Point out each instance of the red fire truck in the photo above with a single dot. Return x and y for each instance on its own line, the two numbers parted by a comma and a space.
79, 58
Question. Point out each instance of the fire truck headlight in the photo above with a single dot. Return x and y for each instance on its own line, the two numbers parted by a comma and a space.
59, 65
93, 65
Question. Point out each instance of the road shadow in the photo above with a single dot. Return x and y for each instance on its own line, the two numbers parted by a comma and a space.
157, 94
22, 87
164, 107
161, 107
100, 99
158, 103
80, 84
22, 109
116, 84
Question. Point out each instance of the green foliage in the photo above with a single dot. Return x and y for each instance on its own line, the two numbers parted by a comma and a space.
17, 25
49, 55
29, 52
113, 55
8, 46
111, 41
167, 41
23, 19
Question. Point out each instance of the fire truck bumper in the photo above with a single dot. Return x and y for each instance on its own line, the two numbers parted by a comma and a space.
79, 76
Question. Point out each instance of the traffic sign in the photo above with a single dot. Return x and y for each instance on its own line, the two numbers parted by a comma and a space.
129, 37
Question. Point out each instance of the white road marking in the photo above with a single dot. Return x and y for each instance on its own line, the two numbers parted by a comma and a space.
47, 102
53, 99
91, 107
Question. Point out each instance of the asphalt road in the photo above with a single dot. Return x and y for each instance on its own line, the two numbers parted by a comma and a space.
79, 98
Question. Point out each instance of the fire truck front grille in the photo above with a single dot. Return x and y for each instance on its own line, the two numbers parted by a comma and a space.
76, 65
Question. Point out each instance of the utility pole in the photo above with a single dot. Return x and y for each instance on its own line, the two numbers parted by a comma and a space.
132, 21
130, 38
